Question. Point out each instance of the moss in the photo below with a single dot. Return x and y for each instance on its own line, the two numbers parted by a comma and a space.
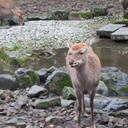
121, 21
33, 78
14, 48
111, 89
124, 89
65, 81
86, 14
29, 79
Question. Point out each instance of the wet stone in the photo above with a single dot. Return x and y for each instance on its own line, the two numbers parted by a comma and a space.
120, 34
107, 30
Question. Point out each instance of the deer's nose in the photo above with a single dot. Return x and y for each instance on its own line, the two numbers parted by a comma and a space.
71, 62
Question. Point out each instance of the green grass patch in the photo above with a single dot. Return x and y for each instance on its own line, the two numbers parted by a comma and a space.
86, 14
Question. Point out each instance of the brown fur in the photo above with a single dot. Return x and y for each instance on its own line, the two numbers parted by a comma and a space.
84, 69
8, 9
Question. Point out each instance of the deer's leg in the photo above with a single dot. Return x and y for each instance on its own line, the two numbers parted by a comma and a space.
78, 109
92, 106
83, 107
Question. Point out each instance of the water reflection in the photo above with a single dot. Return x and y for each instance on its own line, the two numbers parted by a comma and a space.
112, 53
109, 52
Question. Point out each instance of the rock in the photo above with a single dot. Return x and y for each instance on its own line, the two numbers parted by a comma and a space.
126, 14
102, 89
66, 103
74, 16
54, 120
36, 91
46, 103
8, 82
108, 29
123, 123
104, 118
99, 10
16, 122
20, 102
59, 15
68, 93
100, 101
26, 77
57, 81
100, 126
86, 14
42, 74
115, 80
116, 105
120, 113
120, 34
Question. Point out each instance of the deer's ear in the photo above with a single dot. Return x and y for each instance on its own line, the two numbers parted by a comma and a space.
69, 44
89, 42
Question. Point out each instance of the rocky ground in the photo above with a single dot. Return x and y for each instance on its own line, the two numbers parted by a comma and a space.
47, 105
34, 7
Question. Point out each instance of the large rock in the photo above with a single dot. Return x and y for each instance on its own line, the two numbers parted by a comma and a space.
54, 120
120, 34
102, 89
46, 103
68, 93
115, 80
99, 10
59, 15
36, 91
107, 30
26, 77
57, 81
8, 82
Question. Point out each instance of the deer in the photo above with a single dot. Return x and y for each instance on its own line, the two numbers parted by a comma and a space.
84, 68
8, 9
124, 3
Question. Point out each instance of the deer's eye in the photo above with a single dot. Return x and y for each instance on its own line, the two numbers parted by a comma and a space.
81, 53
69, 53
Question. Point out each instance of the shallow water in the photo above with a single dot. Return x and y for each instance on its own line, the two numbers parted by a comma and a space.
109, 52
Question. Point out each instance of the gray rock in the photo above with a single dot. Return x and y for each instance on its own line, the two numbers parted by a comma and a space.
104, 118
102, 89
126, 14
57, 81
99, 10
42, 74
46, 103
66, 103
54, 120
20, 102
16, 122
8, 82
36, 91
68, 93
116, 104
120, 34
100, 101
26, 77
59, 15
120, 113
108, 29
115, 80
